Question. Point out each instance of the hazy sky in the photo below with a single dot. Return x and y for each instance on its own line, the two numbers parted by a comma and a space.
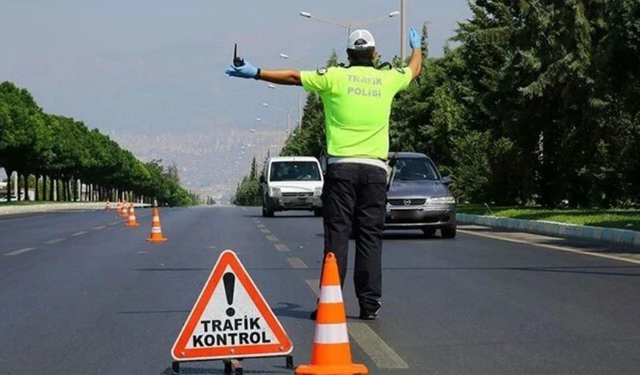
158, 66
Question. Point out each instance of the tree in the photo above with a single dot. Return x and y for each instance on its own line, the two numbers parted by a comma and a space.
61, 149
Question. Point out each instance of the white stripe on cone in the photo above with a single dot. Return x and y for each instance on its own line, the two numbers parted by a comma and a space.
331, 294
331, 334
155, 219
132, 217
156, 230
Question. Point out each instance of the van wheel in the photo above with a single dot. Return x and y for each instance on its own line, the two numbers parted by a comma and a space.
266, 212
317, 212
448, 232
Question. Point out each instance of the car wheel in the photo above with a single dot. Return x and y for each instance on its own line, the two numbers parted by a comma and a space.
448, 232
317, 212
267, 212
428, 232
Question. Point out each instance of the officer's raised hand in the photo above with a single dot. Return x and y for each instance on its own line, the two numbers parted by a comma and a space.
415, 41
245, 71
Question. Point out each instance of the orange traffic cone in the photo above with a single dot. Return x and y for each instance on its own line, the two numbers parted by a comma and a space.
156, 230
331, 353
132, 217
125, 210
119, 207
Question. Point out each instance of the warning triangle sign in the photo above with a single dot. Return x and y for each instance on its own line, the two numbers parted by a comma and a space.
230, 319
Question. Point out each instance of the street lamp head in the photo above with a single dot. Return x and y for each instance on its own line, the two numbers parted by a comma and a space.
265, 104
393, 14
305, 14
271, 86
258, 119
284, 56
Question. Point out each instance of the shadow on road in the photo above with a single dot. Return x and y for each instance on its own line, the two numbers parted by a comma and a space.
173, 269
218, 371
290, 310
402, 236
154, 312
584, 270
276, 216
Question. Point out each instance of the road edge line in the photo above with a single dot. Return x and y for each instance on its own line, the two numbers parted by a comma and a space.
552, 247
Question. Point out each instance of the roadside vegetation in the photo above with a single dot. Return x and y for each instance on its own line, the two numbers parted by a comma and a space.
537, 105
622, 218
52, 153
249, 190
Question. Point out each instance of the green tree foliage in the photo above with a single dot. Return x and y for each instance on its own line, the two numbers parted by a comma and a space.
538, 103
249, 191
61, 149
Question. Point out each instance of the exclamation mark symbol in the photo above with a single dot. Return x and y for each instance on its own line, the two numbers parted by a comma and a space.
229, 281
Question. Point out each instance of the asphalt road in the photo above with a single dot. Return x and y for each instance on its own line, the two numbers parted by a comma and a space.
80, 293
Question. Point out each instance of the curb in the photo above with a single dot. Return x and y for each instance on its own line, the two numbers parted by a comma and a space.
581, 232
37, 208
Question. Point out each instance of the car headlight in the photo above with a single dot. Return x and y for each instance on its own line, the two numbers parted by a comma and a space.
317, 191
275, 192
442, 200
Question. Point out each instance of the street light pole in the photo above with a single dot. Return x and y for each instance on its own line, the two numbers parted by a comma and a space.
298, 93
274, 125
287, 57
403, 36
288, 111
349, 26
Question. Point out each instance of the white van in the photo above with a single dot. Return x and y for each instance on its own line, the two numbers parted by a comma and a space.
292, 183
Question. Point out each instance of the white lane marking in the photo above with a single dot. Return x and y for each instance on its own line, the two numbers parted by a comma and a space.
55, 241
265, 231
314, 285
261, 226
297, 263
98, 228
79, 233
272, 238
112, 224
282, 247
553, 247
380, 353
19, 251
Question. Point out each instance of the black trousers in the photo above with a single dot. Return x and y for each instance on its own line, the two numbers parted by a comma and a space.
356, 194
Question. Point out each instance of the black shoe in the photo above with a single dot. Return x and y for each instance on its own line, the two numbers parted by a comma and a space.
370, 315
314, 314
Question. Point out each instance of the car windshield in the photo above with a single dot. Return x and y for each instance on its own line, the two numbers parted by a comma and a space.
295, 171
414, 169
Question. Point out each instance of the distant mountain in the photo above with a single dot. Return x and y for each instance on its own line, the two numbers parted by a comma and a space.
209, 163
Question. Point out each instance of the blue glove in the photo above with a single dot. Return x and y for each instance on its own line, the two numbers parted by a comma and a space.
415, 40
245, 71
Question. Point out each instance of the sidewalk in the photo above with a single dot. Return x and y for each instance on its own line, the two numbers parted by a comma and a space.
53, 207
572, 231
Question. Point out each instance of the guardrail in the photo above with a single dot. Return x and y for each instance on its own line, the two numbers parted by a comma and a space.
581, 232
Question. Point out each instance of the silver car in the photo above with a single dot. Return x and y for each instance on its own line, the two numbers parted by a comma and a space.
419, 197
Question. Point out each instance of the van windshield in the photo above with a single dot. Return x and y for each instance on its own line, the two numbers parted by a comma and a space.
294, 171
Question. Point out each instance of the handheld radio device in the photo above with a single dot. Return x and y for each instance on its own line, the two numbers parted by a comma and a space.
237, 61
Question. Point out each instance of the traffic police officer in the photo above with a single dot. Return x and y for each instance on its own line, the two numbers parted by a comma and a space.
357, 104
